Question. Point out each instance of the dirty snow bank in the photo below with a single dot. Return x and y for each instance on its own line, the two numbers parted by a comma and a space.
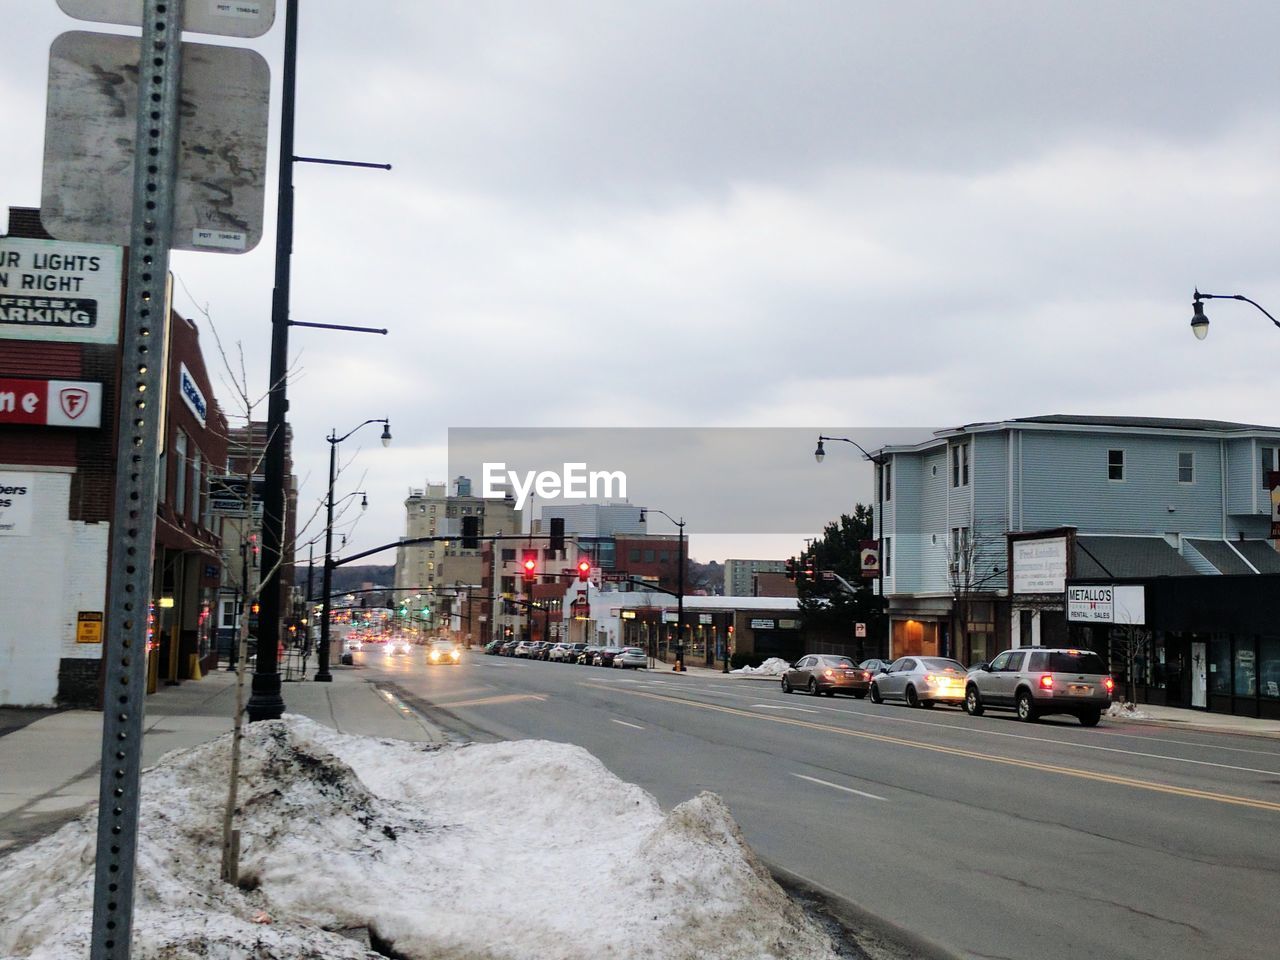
773, 667
493, 851
1126, 711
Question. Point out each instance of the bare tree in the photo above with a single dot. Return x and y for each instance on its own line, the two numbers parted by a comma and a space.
975, 566
1131, 646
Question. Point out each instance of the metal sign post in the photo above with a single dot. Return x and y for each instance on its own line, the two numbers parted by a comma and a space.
134, 519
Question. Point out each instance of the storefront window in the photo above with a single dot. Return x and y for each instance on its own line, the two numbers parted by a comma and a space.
1269, 667
1220, 665
1246, 668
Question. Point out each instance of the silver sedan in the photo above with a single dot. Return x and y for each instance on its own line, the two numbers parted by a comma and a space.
920, 681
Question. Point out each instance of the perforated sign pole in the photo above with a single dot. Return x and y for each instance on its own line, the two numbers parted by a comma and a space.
134, 518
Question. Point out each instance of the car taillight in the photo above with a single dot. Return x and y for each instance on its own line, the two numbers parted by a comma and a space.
828, 673
929, 678
1046, 681
1108, 683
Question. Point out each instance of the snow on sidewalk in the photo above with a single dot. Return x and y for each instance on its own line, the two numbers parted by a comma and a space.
506, 850
773, 667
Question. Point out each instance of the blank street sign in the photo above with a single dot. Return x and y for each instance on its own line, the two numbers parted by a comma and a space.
223, 18
89, 143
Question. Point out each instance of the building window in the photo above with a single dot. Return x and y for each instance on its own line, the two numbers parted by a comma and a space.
1115, 464
634, 554
960, 554
1186, 467
508, 584
1270, 461
886, 478
180, 473
664, 556
162, 490
197, 462
886, 556
1269, 670
959, 465
648, 556
508, 554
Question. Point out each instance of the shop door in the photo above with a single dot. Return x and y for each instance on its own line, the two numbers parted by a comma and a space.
1199, 675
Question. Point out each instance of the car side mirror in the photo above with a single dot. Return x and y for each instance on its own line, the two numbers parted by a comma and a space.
884, 669
984, 666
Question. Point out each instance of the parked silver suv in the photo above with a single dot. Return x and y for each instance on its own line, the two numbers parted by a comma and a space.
1034, 681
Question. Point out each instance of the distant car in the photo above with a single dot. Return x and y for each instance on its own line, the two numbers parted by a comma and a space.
508, 648
604, 656
1041, 680
630, 658
575, 651
443, 651
821, 673
354, 644
588, 653
398, 645
523, 648
867, 671
540, 651
921, 682
558, 652
493, 646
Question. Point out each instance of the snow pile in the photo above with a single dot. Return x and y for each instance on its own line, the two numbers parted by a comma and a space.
773, 667
1126, 711
521, 849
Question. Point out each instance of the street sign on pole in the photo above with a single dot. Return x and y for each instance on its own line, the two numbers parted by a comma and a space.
90, 143
223, 18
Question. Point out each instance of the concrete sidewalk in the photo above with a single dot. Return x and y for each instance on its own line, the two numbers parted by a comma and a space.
50, 766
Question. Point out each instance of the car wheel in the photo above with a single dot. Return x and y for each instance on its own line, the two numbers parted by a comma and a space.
972, 702
1090, 718
875, 694
912, 699
786, 685
813, 687
1026, 710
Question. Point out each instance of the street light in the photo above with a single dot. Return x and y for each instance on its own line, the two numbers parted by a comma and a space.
1200, 323
680, 583
322, 660
878, 529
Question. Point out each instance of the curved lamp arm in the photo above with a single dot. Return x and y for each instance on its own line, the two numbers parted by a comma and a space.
1200, 322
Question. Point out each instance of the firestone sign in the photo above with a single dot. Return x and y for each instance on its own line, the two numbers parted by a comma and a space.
52, 403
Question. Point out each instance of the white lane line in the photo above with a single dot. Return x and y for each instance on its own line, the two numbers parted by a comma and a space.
772, 706
633, 726
836, 786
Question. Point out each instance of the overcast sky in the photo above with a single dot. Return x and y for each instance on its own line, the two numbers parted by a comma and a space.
746, 213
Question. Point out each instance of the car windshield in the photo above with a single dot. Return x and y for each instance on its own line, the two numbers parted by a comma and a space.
940, 663
633, 650
1075, 661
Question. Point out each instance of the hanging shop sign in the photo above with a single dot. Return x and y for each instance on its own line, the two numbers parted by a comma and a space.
53, 403
1107, 603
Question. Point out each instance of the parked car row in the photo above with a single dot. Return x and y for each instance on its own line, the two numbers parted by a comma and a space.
1031, 681
582, 653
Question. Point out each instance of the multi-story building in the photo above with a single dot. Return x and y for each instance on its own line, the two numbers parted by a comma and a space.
443, 570
984, 526
739, 575
594, 527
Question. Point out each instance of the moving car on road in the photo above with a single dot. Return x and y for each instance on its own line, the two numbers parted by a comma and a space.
822, 673
920, 681
443, 651
398, 644
1039, 681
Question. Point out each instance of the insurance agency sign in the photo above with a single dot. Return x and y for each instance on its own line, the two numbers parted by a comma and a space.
1039, 566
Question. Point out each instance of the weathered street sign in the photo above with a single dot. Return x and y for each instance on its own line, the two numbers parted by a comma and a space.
90, 132
223, 18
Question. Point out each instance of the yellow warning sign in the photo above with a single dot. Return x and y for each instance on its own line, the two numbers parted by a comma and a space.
89, 626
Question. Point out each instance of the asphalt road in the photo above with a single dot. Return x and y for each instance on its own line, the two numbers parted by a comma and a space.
988, 836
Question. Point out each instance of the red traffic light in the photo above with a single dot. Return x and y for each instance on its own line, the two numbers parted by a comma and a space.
529, 565
584, 570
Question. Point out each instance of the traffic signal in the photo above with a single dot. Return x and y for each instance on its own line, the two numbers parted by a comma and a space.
471, 533
529, 565
808, 568
584, 570
791, 568
557, 534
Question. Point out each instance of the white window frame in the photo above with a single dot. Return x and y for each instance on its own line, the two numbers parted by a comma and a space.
180, 473
1121, 478
886, 480
886, 556
1190, 468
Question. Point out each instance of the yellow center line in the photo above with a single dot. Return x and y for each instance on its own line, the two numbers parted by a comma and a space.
970, 754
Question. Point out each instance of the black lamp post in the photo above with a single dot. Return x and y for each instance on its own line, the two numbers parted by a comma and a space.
680, 578
322, 660
1200, 323
881, 462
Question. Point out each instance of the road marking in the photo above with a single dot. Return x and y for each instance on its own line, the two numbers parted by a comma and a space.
836, 786
1150, 785
778, 706
501, 698
633, 726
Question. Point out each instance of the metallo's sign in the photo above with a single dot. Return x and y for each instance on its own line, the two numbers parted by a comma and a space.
1107, 603
50, 290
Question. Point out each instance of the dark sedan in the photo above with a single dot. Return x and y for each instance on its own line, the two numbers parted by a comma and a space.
604, 656
824, 673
